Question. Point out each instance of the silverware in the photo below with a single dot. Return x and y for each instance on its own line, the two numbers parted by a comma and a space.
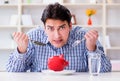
37, 42
78, 42
34, 42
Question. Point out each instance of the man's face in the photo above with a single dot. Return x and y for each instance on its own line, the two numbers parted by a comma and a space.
57, 32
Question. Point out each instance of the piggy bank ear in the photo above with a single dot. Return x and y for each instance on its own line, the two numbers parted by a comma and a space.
61, 56
50, 58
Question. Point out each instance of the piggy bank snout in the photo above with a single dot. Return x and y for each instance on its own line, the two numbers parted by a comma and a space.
65, 63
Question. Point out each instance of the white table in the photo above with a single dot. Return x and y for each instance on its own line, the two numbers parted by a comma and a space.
5, 76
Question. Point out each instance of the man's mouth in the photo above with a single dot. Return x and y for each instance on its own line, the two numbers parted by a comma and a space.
58, 41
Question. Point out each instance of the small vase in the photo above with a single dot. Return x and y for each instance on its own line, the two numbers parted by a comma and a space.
89, 21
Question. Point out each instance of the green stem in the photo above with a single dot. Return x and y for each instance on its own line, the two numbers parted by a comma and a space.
29, 1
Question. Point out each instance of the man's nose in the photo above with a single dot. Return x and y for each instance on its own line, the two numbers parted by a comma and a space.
57, 34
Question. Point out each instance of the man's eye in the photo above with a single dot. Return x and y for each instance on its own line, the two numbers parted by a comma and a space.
63, 27
50, 28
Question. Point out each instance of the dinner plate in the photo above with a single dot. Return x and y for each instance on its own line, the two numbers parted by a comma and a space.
64, 72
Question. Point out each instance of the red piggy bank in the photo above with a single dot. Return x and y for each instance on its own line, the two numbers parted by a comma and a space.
57, 63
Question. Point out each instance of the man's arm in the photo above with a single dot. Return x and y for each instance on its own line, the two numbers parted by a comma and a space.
93, 45
19, 62
105, 61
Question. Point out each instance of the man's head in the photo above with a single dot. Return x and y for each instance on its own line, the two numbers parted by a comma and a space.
57, 12
57, 22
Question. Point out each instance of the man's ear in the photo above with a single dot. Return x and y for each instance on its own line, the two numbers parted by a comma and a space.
70, 25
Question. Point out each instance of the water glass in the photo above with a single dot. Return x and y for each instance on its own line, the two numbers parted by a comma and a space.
94, 63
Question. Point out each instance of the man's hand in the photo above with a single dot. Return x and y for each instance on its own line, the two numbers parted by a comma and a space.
91, 38
22, 41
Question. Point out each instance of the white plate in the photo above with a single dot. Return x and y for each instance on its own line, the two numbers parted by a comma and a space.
64, 72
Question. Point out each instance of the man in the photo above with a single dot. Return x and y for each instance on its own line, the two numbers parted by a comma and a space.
58, 37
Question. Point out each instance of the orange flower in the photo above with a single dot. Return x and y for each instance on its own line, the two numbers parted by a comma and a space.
90, 12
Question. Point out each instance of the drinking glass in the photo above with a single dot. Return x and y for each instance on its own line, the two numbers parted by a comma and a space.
94, 63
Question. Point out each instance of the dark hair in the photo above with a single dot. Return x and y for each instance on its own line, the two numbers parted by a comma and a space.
56, 11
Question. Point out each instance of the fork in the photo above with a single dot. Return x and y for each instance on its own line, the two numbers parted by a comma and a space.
78, 42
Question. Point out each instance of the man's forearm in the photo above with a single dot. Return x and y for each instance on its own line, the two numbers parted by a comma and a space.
16, 62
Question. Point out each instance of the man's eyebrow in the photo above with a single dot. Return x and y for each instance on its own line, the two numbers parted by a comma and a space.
62, 25
49, 26
58, 26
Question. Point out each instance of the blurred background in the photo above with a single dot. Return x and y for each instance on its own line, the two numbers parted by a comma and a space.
23, 15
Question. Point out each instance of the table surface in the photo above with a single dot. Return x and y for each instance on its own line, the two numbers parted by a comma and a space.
36, 76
